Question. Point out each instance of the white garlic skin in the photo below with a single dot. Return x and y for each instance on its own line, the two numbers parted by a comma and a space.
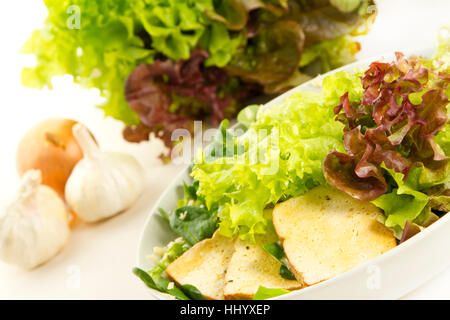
35, 226
102, 184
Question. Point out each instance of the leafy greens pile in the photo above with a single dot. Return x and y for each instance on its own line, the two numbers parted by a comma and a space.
278, 157
389, 144
391, 136
188, 59
193, 222
335, 135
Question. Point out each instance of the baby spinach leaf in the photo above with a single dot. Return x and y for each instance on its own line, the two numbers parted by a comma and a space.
193, 223
146, 278
164, 214
192, 292
276, 251
190, 197
162, 285
192, 220
286, 273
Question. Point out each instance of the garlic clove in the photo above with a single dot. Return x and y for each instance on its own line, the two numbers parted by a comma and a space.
102, 184
34, 226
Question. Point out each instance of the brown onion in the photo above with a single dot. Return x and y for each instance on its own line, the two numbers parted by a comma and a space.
51, 148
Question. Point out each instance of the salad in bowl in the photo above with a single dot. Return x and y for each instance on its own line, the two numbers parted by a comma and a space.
330, 176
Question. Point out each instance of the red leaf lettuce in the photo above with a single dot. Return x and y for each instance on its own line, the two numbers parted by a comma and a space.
393, 158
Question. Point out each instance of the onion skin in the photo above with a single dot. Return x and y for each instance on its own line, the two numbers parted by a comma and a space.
51, 148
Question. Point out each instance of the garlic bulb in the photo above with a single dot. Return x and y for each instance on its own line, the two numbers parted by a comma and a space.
34, 226
102, 184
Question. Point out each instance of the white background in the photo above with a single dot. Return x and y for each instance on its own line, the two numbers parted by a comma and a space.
97, 261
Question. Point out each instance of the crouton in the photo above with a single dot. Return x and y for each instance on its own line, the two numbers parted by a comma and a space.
204, 266
250, 267
325, 232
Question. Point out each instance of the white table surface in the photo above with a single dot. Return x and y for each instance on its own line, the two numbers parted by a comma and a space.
97, 261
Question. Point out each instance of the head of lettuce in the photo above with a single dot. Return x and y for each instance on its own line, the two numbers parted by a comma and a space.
162, 63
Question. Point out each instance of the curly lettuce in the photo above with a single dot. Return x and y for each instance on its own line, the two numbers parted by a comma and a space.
100, 43
278, 157
63, 47
443, 56
249, 48
327, 55
396, 138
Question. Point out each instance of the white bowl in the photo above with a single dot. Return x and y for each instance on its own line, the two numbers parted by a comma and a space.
389, 276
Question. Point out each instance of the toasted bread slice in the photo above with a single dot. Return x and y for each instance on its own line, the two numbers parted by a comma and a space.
204, 266
250, 267
326, 232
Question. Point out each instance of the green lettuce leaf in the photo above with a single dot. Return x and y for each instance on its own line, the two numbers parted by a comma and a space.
220, 44
77, 51
330, 54
443, 136
100, 42
346, 5
248, 115
264, 293
408, 202
222, 144
442, 55
398, 162
283, 154
174, 26
174, 250
114, 37
335, 86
